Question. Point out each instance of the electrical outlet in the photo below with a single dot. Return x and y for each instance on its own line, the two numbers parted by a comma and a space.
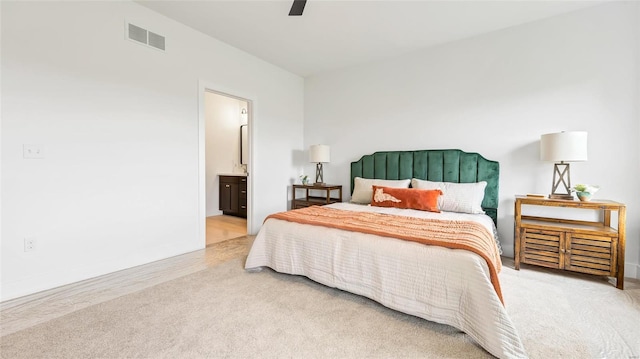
29, 244
32, 152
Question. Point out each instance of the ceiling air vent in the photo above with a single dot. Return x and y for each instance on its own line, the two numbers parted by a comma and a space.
144, 36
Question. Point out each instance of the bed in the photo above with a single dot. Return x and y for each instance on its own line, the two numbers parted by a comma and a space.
443, 284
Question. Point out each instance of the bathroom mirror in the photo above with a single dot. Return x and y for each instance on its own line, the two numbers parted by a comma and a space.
244, 145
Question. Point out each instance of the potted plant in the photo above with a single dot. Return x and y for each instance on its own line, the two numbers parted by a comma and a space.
585, 191
304, 179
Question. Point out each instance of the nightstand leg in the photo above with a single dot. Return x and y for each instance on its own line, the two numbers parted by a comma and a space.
622, 220
516, 235
620, 281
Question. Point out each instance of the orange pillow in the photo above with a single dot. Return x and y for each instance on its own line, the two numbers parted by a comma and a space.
424, 200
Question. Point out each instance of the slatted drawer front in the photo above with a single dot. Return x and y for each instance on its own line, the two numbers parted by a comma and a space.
591, 254
542, 247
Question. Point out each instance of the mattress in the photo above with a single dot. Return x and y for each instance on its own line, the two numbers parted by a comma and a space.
448, 286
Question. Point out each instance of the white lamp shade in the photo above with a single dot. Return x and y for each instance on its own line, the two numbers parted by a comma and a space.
319, 154
564, 146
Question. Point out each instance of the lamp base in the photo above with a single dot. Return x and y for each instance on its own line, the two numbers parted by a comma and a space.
319, 179
561, 196
561, 175
321, 184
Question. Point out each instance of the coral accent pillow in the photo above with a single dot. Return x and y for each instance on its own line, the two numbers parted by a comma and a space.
411, 198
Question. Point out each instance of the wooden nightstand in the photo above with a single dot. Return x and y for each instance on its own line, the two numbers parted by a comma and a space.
579, 246
314, 198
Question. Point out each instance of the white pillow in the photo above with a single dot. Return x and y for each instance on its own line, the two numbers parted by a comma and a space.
362, 190
456, 197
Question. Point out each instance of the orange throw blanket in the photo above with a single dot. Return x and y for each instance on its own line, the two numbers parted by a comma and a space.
466, 235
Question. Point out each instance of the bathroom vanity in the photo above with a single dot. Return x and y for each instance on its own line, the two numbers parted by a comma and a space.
233, 195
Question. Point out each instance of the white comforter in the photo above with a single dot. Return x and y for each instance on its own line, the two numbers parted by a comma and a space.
448, 286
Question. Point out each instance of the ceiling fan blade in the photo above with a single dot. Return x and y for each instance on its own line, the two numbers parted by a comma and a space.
297, 8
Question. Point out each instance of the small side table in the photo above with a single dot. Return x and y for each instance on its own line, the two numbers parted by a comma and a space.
314, 198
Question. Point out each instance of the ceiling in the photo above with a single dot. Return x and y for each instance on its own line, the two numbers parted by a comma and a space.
336, 34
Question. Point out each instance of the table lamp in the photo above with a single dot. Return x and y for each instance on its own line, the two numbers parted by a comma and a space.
563, 147
319, 154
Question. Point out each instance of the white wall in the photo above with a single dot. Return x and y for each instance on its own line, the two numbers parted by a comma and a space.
118, 186
222, 149
496, 94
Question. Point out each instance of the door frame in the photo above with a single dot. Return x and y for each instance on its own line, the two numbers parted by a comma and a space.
203, 87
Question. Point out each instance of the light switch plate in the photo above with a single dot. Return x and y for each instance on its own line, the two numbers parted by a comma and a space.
32, 151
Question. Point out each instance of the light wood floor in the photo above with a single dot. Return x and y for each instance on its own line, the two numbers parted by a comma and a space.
221, 228
24, 312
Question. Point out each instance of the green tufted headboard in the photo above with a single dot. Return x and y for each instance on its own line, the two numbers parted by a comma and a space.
433, 165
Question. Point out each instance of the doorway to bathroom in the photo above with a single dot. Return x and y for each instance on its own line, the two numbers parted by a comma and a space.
226, 164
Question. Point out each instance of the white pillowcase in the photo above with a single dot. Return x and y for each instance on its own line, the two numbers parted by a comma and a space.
456, 197
363, 191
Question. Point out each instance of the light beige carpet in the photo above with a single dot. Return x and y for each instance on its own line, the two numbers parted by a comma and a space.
226, 312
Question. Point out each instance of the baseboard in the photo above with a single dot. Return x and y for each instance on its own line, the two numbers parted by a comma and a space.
54, 279
632, 270
214, 213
